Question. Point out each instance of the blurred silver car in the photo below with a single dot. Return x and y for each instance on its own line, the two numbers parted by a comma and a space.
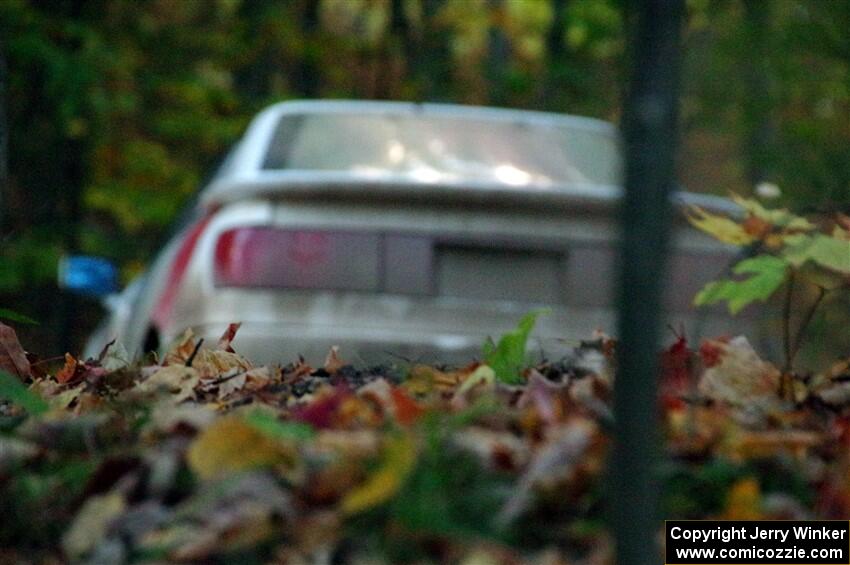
412, 230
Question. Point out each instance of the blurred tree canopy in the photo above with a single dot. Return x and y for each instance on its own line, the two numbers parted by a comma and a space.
117, 109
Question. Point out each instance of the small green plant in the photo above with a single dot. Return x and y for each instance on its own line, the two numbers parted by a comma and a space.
784, 251
13, 390
12, 316
507, 358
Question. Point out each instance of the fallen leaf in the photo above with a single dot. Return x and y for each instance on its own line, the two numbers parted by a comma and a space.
224, 343
398, 458
333, 363
69, 371
115, 358
322, 412
743, 501
13, 358
213, 363
232, 384
231, 445
182, 349
558, 457
736, 375
178, 380
407, 411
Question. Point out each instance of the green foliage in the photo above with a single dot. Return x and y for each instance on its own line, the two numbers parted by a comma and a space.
271, 426
829, 252
791, 247
777, 217
13, 390
767, 274
6, 314
508, 357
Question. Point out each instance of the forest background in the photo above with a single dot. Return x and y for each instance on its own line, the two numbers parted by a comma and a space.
112, 112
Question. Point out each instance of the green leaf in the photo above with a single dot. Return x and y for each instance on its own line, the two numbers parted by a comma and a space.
508, 358
14, 390
768, 274
13, 316
269, 425
823, 250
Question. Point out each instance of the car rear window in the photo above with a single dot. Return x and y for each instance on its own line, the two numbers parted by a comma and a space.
434, 149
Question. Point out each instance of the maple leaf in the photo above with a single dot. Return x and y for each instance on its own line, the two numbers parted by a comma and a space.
13, 358
719, 227
823, 250
768, 274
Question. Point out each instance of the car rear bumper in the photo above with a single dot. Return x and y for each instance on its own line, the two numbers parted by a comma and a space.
278, 327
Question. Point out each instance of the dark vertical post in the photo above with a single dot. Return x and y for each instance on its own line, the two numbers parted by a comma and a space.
649, 134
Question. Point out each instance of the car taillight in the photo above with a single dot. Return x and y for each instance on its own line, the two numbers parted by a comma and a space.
165, 305
264, 257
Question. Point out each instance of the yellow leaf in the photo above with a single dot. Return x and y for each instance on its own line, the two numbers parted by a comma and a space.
230, 445
743, 501
720, 227
175, 379
397, 461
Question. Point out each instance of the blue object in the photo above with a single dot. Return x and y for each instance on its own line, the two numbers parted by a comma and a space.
90, 276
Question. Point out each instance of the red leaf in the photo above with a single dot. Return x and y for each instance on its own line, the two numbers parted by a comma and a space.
407, 411
710, 351
675, 367
227, 338
13, 358
321, 413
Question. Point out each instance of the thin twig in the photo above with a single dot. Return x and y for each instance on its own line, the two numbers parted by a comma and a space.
191, 358
804, 324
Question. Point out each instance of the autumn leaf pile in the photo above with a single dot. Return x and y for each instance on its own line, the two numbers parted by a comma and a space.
201, 456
